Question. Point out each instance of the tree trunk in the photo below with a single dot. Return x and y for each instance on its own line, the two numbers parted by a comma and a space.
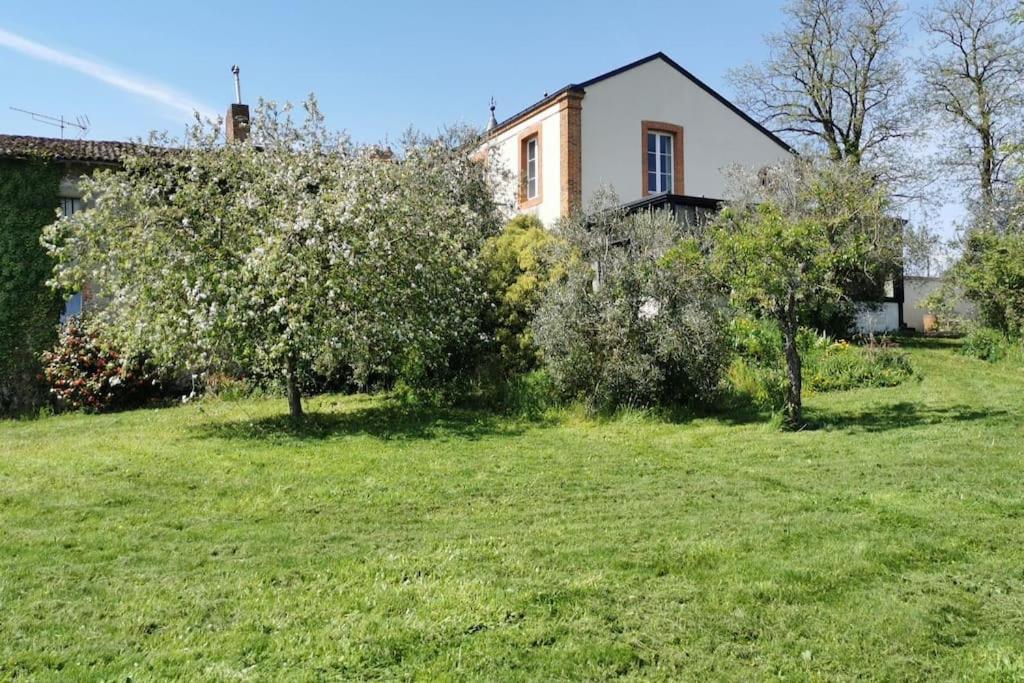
988, 145
294, 395
794, 402
987, 167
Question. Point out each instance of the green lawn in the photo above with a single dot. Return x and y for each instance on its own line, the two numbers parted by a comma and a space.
196, 542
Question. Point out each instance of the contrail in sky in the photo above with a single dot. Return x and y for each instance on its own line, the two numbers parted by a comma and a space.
152, 90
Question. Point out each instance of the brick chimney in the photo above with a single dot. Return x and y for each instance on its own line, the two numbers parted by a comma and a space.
236, 126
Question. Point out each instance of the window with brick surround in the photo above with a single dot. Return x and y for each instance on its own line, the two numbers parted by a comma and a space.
530, 188
530, 176
662, 154
659, 161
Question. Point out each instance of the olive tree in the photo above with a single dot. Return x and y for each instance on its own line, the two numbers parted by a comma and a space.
791, 238
293, 250
635, 317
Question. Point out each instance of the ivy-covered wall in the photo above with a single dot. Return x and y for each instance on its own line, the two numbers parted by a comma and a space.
29, 310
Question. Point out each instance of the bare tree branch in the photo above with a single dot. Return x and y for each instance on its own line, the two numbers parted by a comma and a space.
972, 82
834, 78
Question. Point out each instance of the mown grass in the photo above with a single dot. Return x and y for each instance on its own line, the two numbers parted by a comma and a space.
212, 541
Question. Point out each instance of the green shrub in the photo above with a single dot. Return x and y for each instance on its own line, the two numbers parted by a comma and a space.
517, 273
758, 370
528, 395
636, 320
842, 366
757, 341
762, 385
990, 273
988, 344
85, 373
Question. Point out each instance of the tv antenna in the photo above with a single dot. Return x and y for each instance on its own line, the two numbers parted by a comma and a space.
82, 123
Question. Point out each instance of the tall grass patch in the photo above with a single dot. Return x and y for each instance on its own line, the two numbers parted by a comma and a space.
757, 371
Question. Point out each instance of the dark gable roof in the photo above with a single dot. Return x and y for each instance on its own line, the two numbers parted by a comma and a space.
56, 149
580, 87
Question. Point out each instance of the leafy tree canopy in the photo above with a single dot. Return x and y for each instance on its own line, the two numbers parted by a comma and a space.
294, 250
794, 237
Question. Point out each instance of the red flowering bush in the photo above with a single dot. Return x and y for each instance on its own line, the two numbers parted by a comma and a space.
84, 373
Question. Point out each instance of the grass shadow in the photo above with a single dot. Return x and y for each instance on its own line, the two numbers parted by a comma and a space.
902, 415
928, 343
389, 420
732, 409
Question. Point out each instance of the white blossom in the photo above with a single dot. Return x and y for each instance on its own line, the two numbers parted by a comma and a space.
375, 267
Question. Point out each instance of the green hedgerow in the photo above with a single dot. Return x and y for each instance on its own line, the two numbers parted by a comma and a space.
29, 310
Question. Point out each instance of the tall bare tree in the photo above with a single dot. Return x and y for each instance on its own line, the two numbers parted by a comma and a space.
973, 82
834, 78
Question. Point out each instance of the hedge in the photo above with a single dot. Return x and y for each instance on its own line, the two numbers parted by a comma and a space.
29, 310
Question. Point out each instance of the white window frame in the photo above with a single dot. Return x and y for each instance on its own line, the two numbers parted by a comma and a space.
73, 307
663, 163
69, 206
531, 168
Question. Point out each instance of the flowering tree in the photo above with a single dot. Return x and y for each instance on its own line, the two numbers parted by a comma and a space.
794, 237
296, 250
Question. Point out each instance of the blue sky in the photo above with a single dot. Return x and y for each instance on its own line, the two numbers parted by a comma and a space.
377, 67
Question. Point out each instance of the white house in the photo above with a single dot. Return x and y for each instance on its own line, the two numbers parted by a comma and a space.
647, 129
652, 132
918, 288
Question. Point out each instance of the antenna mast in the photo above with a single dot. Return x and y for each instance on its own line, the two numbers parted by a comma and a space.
82, 123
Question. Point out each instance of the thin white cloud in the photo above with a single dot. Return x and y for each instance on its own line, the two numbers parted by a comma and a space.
134, 84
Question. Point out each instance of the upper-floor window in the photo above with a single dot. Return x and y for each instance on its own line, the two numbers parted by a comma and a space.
531, 168
530, 164
659, 161
663, 157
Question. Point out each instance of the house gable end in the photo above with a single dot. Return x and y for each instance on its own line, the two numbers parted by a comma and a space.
696, 81
656, 94
579, 89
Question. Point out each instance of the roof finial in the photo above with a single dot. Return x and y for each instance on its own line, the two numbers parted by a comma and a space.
493, 123
238, 84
